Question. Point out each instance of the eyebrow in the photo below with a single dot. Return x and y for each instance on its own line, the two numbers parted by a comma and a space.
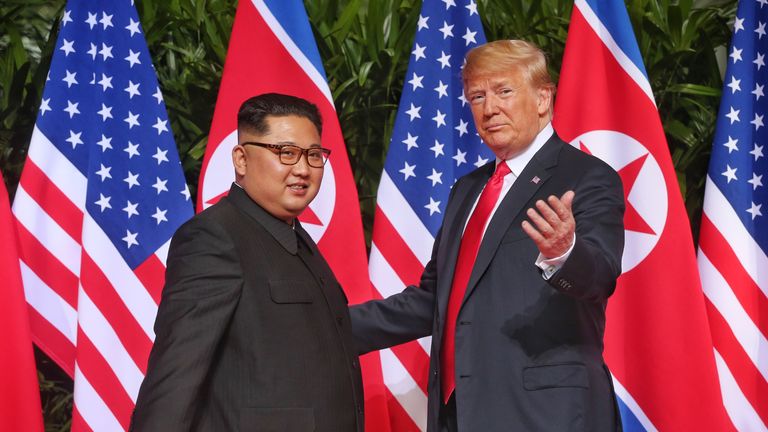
294, 144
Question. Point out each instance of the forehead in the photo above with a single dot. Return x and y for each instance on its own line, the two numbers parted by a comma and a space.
496, 79
289, 129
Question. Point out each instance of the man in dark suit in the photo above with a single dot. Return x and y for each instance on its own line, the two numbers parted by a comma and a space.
253, 332
514, 295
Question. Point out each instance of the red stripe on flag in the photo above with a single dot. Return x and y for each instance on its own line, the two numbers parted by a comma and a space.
54, 344
750, 381
103, 295
397, 252
724, 259
78, 423
46, 266
53, 200
103, 380
416, 361
398, 417
151, 273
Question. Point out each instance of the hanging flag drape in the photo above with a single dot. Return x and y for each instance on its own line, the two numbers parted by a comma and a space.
656, 342
733, 239
101, 193
434, 142
272, 50
19, 394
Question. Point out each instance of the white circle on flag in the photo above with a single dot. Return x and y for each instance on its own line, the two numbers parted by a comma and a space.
646, 196
220, 173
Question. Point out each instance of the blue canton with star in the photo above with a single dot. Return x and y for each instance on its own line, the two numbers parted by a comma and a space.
102, 108
434, 141
738, 164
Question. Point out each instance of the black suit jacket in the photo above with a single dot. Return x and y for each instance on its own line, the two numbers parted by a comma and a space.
252, 333
528, 350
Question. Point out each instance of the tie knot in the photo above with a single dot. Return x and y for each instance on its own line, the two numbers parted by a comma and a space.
502, 169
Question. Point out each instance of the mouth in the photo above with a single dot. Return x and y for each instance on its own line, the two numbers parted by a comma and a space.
298, 187
493, 127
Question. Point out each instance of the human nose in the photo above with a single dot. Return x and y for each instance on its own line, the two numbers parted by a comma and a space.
490, 105
301, 167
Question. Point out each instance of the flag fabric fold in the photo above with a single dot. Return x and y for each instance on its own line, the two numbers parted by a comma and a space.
272, 50
656, 342
733, 239
434, 142
101, 193
20, 394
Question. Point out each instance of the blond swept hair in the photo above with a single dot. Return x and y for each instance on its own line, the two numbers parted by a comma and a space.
504, 55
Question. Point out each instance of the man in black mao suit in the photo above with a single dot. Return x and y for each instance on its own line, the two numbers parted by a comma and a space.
253, 333
519, 319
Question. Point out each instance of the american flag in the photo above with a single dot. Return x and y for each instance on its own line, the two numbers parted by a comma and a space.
734, 230
434, 142
101, 193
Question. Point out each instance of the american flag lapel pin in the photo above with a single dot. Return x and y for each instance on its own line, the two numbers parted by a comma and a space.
535, 180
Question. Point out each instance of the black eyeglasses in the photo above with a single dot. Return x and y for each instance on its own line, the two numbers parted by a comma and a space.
290, 154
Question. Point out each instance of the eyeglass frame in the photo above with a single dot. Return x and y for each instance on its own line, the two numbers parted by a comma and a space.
304, 151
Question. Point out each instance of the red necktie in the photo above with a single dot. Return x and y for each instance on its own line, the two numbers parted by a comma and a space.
470, 244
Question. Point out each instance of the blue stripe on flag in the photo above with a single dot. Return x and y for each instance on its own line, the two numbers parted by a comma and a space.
293, 17
613, 15
628, 419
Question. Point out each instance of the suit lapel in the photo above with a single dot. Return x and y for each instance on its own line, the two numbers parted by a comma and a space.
517, 197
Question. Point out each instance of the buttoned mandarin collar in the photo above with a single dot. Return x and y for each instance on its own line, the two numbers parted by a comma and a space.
517, 163
285, 234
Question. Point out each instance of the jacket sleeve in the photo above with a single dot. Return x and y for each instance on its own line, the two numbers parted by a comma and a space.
591, 269
202, 289
401, 317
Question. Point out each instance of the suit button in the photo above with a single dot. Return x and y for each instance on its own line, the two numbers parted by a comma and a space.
354, 364
359, 409
339, 320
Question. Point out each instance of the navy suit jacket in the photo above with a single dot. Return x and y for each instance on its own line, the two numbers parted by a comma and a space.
528, 350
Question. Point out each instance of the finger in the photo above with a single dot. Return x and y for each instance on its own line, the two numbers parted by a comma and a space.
536, 236
541, 224
567, 200
560, 209
548, 213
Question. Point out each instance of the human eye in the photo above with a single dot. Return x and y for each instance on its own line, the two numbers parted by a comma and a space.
475, 98
289, 152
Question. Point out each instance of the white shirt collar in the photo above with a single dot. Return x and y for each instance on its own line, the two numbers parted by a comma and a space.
518, 162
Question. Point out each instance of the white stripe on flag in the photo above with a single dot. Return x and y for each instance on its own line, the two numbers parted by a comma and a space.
404, 219
104, 338
130, 289
49, 304
383, 276
46, 230
162, 252
605, 35
294, 50
58, 168
719, 211
91, 407
739, 409
718, 291
633, 406
404, 388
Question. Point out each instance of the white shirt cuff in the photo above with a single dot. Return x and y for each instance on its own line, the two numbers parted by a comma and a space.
552, 265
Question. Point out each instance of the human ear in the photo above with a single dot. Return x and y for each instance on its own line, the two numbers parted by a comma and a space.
239, 160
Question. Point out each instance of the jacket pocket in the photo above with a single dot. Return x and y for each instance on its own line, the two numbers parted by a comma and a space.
277, 419
555, 375
290, 291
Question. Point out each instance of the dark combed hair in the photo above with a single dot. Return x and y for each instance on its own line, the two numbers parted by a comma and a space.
254, 111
